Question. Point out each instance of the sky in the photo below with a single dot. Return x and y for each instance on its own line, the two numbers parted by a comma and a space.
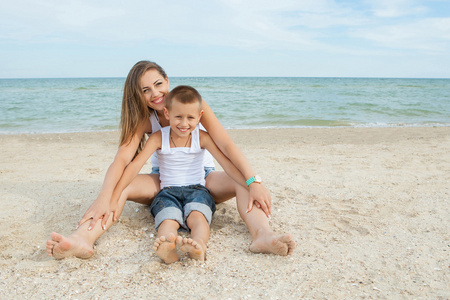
279, 38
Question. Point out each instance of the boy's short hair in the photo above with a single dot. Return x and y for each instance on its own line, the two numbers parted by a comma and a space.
184, 94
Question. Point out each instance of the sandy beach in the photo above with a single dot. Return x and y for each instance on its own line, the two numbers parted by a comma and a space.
368, 207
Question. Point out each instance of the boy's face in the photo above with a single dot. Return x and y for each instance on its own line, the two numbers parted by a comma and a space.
183, 118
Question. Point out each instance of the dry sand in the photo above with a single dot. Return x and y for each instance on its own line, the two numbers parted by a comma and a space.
369, 209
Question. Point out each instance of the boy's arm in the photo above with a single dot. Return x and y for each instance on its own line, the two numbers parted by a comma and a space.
153, 143
207, 143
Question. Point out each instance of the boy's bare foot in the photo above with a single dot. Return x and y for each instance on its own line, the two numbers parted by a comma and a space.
271, 242
165, 248
60, 246
196, 250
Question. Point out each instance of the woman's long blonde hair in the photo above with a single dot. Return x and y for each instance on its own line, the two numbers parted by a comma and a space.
134, 108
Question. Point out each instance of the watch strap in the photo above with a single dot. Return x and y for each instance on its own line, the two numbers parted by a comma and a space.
250, 180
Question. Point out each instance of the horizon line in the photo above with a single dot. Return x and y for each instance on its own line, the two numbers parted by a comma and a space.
334, 77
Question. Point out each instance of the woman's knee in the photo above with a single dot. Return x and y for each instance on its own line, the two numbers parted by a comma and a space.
142, 189
221, 186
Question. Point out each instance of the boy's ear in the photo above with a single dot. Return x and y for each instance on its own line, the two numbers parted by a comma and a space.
166, 112
200, 115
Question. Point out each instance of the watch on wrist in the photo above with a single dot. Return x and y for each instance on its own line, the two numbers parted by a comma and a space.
255, 178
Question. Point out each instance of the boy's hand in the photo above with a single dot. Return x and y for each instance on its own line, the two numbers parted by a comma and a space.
98, 210
260, 196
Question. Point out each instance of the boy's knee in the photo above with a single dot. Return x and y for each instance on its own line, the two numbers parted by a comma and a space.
196, 216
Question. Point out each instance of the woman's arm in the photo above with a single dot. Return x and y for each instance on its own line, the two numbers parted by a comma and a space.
101, 206
207, 143
224, 142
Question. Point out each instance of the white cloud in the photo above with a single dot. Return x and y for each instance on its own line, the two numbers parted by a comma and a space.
44, 20
395, 8
432, 34
249, 25
286, 24
83, 14
291, 29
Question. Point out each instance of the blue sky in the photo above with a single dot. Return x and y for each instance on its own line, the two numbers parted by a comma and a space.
325, 38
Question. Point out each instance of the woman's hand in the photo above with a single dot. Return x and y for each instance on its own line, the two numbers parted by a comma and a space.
100, 209
115, 211
260, 197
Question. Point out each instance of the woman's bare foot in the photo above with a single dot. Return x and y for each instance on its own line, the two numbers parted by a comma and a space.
270, 242
165, 248
196, 250
60, 246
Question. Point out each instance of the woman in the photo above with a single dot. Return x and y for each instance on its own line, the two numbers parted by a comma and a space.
145, 89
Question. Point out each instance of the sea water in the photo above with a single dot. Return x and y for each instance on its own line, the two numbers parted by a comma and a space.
93, 104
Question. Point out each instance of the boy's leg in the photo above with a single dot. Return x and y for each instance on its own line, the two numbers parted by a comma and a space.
196, 245
81, 242
165, 244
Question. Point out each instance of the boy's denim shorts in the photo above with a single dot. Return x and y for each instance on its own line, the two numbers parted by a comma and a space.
177, 202
155, 170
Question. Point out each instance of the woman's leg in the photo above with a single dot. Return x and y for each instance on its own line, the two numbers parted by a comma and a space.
264, 240
81, 242
221, 186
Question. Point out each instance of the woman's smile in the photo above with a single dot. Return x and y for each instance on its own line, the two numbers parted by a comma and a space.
158, 100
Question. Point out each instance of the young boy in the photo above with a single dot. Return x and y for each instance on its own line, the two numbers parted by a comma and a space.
183, 200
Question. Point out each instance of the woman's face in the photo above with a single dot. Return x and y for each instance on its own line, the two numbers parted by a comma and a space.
154, 88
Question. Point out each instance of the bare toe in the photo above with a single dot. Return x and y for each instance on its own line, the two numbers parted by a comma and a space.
272, 243
196, 250
60, 247
165, 248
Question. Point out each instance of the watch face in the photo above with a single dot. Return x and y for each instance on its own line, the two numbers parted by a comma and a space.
257, 178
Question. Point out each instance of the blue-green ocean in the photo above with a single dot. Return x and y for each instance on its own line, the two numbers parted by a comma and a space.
93, 104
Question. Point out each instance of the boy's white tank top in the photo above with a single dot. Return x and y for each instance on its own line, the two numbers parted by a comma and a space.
181, 166
208, 160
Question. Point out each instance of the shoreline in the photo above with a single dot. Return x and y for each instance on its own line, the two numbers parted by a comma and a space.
329, 135
433, 125
368, 208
